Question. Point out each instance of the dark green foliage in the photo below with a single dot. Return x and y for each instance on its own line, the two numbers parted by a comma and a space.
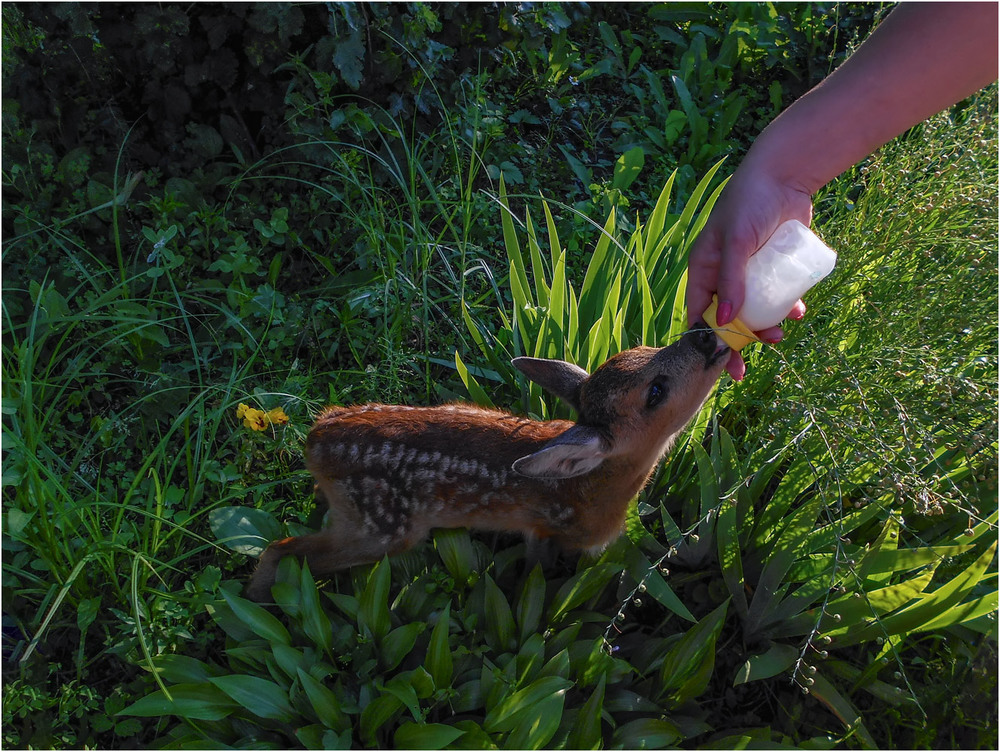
282, 205
500, 657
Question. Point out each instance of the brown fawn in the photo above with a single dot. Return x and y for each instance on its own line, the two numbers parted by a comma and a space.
390, 474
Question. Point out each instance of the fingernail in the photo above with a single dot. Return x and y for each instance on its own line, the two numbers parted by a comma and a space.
724, 312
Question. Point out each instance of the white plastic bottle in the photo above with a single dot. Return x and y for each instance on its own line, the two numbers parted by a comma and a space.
791, 262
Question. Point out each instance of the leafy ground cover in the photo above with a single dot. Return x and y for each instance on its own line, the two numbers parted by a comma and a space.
250, 211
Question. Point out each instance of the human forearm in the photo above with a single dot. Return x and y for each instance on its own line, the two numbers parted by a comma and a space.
922, 59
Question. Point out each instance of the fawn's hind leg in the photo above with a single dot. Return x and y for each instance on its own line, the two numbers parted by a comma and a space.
342, 543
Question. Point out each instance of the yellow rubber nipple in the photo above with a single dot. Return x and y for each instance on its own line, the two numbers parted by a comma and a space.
735, 333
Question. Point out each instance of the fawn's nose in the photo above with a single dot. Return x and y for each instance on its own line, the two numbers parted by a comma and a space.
703, 338
705, 341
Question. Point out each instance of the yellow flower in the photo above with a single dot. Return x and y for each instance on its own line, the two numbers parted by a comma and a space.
277, 416
258, 420
255, 419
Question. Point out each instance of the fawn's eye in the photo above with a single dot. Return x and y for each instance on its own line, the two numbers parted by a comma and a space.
656, 394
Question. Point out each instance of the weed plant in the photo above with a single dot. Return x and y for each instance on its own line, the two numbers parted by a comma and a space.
814, 565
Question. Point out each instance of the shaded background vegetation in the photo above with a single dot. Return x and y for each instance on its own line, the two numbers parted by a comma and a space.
210, 204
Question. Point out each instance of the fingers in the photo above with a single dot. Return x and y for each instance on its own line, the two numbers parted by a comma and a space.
772, 335
798, 311
736, 367
701, 275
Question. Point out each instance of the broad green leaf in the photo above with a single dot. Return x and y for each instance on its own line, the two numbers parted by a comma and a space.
439, 661
696, 683
927, 608
315, 623
487, 349
258, 619
531, 603
324, 702
373, 612
963, 612
864, 680
855, 608
657, 221
573, 322
474, 738
581, 587
558, 665
826, 537
230, 623
348, 605
646, 298
402, 688
499, 619
261, 697
642, 570
707, 480
684, 658
676, 298
399, 643
627, 168
503, 717
586, 733
289, 659
619, 700
761, 739
477, 393
705, 213
422, 682
800, 476
182, 669
902, 559
684, 231
780, 559
988, 525
647, 733
454, 546
538, 274
244, 530
425, 736
727, 536
533, 727
826, 693
557, 300
671, 530
197, 702
518, 278
376, 714
530, 659
776, 660
593, 290
555, 248
888, 541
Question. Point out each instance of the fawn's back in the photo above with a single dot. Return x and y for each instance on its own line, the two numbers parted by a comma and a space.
423, 467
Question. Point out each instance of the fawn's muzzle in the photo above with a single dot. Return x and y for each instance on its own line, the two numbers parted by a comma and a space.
704, 339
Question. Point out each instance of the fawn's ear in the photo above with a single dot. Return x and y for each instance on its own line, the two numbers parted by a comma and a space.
559, 377
576, 451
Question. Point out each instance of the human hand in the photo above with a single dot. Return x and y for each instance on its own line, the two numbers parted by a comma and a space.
749, 210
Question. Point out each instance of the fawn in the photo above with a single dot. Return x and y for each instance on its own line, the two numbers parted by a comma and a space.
390, 473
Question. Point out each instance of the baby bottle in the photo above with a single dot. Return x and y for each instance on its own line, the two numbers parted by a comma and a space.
791, 261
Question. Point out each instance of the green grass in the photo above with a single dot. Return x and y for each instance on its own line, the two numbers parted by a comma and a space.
815, 564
